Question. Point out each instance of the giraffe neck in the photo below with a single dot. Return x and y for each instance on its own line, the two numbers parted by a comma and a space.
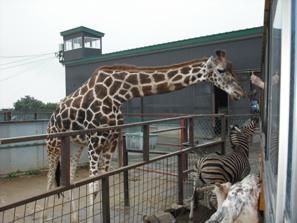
122, 83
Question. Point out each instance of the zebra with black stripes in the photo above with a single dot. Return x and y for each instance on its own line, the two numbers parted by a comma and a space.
233, 167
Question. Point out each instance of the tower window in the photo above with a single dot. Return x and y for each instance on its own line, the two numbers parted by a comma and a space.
74, 43
68, 45
91, 42
77, 43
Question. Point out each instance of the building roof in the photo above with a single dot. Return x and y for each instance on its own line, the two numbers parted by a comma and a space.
227, 36
81, 29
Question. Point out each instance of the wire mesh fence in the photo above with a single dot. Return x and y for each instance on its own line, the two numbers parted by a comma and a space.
132, 193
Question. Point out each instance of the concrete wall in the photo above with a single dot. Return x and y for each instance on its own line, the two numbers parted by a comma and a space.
25, 156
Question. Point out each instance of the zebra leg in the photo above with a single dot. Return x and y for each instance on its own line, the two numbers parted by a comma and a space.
210, 200
213, 204
194, 202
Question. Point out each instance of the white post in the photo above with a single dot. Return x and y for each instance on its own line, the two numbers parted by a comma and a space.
284, 110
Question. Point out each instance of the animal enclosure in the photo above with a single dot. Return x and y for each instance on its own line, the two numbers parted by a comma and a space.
147, 181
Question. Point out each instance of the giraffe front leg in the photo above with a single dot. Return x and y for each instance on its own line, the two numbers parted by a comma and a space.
100, 153
94, 151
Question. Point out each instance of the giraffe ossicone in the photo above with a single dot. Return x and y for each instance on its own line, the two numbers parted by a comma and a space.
97, 103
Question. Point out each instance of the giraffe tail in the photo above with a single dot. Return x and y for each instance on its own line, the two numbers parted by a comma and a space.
58, 177
58, 174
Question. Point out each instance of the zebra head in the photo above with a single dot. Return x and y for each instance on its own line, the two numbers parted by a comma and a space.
240, 135
249, 126
234, 131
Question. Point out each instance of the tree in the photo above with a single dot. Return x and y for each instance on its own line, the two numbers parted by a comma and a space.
30, 104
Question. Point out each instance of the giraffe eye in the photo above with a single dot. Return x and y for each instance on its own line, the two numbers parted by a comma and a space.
221, 70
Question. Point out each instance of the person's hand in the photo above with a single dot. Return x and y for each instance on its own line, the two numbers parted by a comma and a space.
257, 81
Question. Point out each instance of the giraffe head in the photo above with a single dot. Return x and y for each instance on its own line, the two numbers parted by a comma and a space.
221, 75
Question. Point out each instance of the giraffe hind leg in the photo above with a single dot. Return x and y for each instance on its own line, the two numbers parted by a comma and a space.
53, 160
73, 166
53, 163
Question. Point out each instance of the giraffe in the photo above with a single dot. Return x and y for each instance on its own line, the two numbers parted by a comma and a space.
97, 103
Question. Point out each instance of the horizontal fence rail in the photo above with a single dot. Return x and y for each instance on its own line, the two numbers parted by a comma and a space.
90, 131
145, 186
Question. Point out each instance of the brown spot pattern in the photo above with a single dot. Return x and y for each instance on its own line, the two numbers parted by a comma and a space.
162, 87
108, 102
102, 76
92, 81
135, 92
76, 102
132, 79
176, 78
96, 106
83, 90
185, 70
187, 80
114, 87
100, 91
144, 78
88, 98
120, 75
172, 73
108, 81
158, 77
147, 90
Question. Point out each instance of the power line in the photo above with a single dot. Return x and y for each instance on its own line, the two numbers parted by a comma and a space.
32, 55
21, 60
28, 69
25, 63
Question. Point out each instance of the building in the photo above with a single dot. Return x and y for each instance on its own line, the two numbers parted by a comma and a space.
83, 54
279, 117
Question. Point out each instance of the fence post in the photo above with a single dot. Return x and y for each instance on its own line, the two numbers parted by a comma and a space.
223, 133
146, 143
183, 131
65, 161
126, 173
191, 132
180, 179
183, 139
105, 199
7, 116
121, 149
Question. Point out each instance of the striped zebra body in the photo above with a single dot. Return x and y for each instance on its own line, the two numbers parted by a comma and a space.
215, 168
233, 167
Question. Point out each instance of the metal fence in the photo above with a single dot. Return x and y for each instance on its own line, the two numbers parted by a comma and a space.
143, 186
164, 137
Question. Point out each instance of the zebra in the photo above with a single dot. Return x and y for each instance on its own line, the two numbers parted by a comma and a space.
233, 167
246, 127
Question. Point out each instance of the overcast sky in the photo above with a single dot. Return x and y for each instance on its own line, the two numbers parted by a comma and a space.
32, 27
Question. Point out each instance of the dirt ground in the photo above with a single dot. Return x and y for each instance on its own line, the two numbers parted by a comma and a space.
17, 188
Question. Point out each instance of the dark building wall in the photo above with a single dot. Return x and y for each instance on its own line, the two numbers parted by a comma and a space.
244, 53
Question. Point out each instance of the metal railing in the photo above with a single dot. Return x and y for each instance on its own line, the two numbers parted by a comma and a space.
129, 192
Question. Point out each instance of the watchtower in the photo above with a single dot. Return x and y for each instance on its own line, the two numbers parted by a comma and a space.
80, 42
